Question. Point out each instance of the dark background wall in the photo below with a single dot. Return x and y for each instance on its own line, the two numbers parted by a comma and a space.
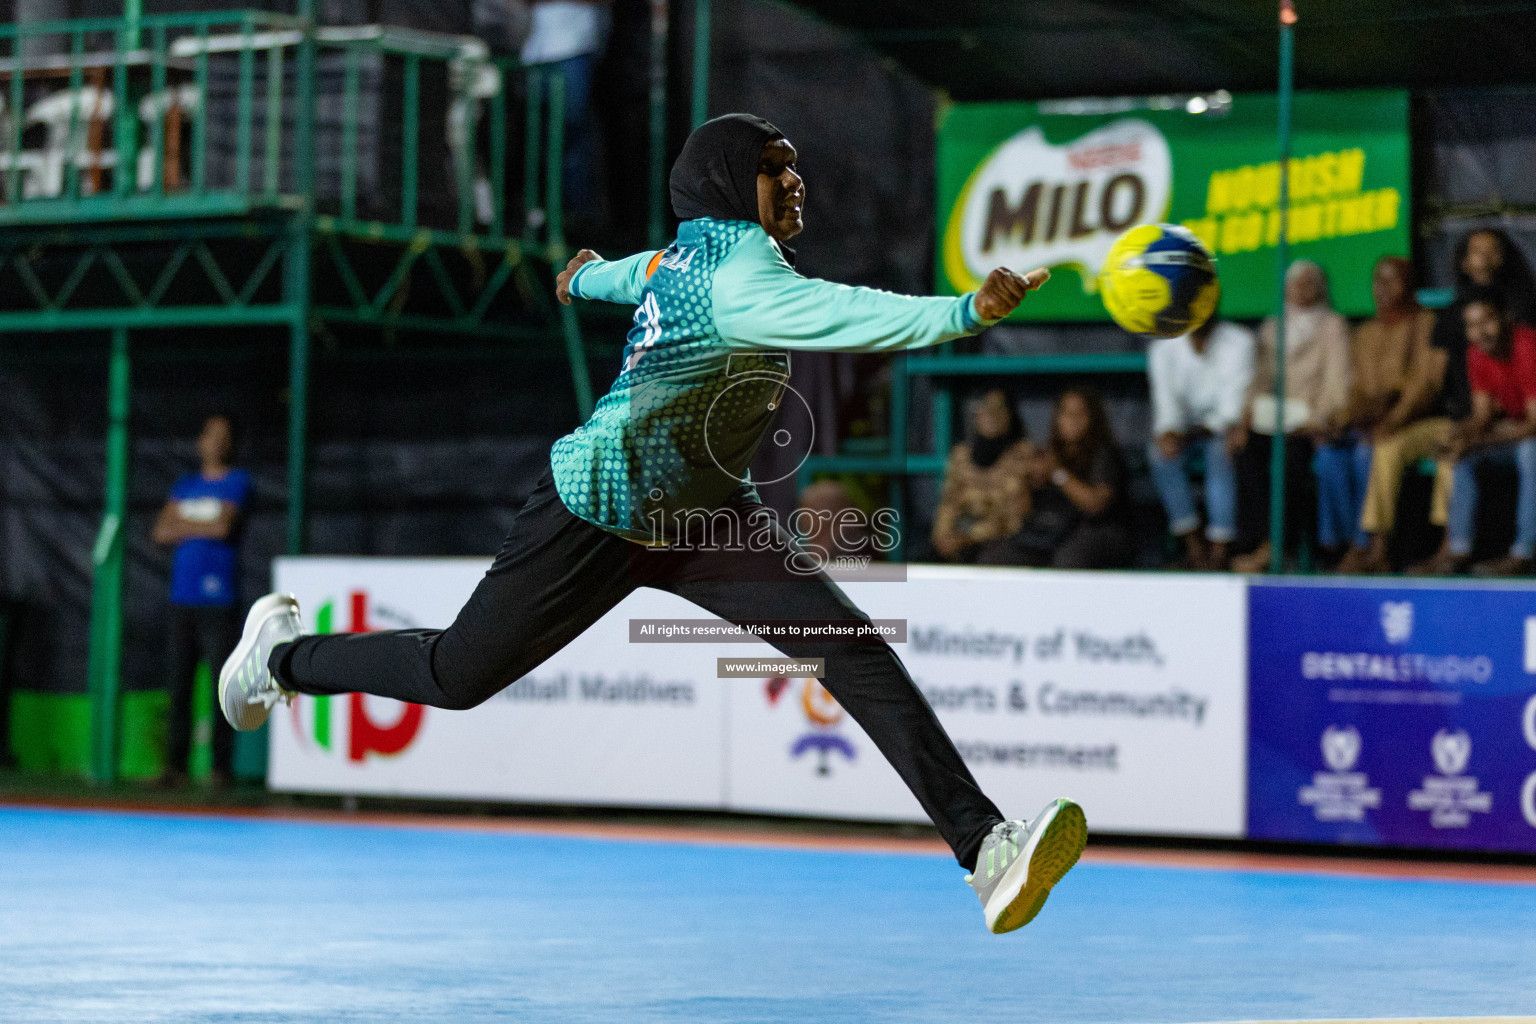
414, 455
433, 456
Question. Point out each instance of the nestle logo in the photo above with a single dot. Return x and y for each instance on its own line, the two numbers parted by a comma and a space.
1089, 157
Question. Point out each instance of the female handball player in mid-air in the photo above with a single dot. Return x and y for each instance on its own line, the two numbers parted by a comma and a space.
669, 445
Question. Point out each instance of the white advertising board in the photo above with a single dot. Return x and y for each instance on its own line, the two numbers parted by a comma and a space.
1125, 691
602, 722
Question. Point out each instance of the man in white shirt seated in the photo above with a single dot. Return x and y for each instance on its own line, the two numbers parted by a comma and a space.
1199, 385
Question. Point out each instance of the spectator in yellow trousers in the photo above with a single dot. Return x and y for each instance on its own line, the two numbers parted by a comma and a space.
1395, 401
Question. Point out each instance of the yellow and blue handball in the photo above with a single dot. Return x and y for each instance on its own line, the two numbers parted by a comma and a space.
1159, 280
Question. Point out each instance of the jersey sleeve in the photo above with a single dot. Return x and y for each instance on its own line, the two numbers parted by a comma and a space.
613, 280
760, 302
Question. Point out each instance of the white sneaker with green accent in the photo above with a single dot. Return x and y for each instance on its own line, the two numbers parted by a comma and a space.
1020, 861
247, 690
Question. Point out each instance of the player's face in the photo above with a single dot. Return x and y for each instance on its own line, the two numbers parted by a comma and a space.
1485, 327
780, 191
1387, 286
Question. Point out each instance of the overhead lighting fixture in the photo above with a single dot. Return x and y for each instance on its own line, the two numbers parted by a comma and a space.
1200, 104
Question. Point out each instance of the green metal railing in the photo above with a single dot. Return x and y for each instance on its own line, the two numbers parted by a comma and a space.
156, 112
197, 132
140, 135
190, 134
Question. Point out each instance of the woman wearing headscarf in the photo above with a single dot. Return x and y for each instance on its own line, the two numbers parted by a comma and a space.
986, 490
1079, 515
654, 491
1316, 393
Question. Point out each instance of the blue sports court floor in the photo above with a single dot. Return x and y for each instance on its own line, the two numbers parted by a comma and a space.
129, 917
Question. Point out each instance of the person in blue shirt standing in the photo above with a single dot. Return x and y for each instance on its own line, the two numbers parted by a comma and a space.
201, 518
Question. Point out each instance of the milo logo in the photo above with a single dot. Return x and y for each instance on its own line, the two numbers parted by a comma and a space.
1031, 203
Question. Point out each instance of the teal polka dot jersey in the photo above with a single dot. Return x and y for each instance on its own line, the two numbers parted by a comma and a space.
705, 367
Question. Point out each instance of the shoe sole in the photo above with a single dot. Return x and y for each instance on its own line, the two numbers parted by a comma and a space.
253, 623
1051, 852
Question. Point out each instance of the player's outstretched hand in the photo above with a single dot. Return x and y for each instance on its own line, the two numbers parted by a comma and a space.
1003, 290
563, 282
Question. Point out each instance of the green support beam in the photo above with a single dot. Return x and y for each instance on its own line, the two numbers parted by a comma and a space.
133, 14
1282, 257
296, 284
701, 32
296, 281
104, 664
984, 363
270, 206
656, 230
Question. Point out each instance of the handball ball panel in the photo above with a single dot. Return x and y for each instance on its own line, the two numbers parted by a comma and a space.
1159, 281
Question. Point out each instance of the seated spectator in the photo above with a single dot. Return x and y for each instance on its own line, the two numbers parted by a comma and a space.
1079, 513
1501, 368
1489, 258
985, 494
1199, 384
1316, 392
1485, 259
1390, 422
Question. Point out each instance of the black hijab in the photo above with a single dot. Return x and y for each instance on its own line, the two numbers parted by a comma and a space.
716, 173
985, 451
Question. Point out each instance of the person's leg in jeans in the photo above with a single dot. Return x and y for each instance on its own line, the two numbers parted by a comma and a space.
1525, 502
1336, 511
866, 678
554, 577
1462, 521
182, 657
581, 136
1171, 477
1220, 498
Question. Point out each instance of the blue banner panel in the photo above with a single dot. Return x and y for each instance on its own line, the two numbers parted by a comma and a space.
1393, 716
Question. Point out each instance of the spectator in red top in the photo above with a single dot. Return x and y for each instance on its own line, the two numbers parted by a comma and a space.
1501, 368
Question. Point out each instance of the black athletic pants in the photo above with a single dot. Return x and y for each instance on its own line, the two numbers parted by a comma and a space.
557, 574
198, 634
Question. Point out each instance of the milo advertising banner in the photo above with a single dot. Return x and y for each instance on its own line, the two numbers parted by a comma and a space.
1022, 188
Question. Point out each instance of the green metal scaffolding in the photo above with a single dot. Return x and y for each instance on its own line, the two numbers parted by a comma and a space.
138, 170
